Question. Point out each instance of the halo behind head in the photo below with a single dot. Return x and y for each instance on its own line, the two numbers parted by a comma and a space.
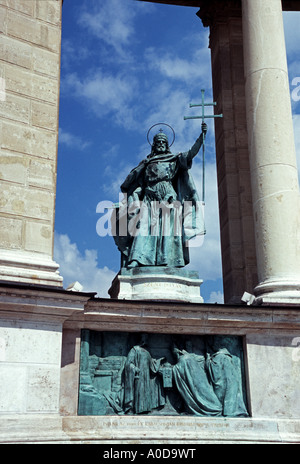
161, 135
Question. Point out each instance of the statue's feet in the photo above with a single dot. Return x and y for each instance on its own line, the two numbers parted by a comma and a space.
133, 264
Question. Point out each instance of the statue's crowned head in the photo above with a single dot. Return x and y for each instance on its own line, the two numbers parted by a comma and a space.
160, 137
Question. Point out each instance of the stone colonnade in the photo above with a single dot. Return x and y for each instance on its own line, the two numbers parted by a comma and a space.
256, 163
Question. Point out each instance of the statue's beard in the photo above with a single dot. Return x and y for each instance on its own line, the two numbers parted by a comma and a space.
160, 153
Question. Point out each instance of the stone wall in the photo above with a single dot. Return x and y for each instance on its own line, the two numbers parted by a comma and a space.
31, 322
30, 72
40, 339
271, 336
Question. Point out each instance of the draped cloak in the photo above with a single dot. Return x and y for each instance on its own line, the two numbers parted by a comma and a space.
194, 387
226, 380
143, 385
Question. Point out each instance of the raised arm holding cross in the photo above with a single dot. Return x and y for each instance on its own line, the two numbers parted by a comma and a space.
204, 130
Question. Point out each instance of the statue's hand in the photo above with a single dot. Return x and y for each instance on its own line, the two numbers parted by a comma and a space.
204, 128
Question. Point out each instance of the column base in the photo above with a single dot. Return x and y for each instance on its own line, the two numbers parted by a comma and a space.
272, 291
27, 267
157, 284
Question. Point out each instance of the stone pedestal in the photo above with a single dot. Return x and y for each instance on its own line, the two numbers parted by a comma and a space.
148, 283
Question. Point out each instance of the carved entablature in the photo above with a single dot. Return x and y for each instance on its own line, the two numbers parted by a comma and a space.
214, 10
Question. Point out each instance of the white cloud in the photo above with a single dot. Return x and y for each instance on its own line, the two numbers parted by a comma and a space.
296, 122
75, 266
216, 297
207, 258
103, 93
83, 267
149, 87
292, 38
123, 98
73, 54
115, 175
291, 21
71, 140
194, 67
112, 21
170, 104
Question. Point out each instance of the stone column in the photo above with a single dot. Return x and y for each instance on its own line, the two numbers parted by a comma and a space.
224, 18
274, 176
29, 79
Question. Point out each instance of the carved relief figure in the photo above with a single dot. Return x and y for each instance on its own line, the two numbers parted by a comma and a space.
203, 377
193, 385
225, 378
143, 385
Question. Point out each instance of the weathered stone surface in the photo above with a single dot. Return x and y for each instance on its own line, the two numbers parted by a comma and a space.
40, 331
38, 237
233, 171
49, 428
272, 157
30, 54
263, 329
30, 347
32, 31
157, 283
11, 232
44, 115
15, 52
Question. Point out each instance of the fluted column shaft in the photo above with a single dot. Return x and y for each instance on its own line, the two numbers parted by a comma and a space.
273, 167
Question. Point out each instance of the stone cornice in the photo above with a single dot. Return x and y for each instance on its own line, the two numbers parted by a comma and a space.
217, 10
214, 10
167, 317
194, 3
39, 302
287, 5
83, 310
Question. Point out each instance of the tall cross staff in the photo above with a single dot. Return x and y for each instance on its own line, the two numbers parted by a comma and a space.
203, 117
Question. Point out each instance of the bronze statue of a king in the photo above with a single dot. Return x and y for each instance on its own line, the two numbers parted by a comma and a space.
161, 210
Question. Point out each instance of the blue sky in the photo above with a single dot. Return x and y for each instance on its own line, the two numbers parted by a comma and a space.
125, 66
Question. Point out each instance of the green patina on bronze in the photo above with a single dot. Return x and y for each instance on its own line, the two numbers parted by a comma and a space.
161, 374
158, 193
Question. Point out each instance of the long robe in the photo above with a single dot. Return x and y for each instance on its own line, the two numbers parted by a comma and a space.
143, 386
226, 380
194, 387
